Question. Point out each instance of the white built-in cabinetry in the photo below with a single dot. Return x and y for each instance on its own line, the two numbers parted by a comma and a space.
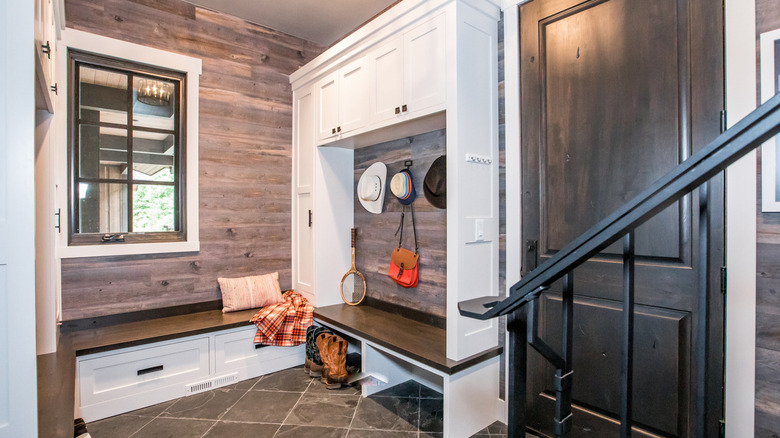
117, 381
420, 66
46, 23
342, 100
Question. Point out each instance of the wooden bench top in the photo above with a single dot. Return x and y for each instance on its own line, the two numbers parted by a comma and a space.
134, 333
422, 342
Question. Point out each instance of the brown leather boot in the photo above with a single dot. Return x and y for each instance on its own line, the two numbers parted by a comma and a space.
337, 354
323, 343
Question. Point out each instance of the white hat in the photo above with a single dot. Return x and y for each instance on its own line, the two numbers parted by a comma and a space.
371, 187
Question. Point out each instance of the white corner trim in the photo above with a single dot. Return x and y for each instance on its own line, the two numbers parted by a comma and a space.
768, 149
101, 45
740, 36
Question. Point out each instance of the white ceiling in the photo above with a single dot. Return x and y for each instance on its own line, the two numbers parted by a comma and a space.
321, 21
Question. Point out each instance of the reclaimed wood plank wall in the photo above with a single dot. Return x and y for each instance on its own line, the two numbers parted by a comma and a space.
376, 238
245, 157
767, 283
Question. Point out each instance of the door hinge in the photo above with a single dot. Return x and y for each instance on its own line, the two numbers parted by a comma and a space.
723, 280
723, 126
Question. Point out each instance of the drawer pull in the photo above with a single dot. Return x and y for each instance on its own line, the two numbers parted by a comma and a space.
150, 370
259, 346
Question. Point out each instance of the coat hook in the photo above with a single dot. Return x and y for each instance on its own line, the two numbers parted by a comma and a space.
408, 163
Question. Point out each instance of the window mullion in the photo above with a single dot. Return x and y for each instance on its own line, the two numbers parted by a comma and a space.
130, 82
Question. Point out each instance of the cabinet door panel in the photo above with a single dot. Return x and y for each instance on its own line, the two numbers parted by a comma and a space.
327, 106
387, 80
425, 65
353, 93
304, 248
304, 139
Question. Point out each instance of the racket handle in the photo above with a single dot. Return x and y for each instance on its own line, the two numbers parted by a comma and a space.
354, 236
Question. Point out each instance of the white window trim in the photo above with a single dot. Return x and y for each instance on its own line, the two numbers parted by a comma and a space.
101, 45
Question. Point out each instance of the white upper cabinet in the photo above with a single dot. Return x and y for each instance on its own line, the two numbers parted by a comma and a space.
342, 100
387, 80
408, 73
424, 59
45, 36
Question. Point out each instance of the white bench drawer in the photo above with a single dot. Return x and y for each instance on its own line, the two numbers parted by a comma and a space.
237, 350
108, 376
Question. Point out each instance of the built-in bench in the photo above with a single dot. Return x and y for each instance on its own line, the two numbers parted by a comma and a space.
395, 349
142, 358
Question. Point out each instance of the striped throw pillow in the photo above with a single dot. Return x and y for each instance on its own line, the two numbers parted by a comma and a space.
250, 292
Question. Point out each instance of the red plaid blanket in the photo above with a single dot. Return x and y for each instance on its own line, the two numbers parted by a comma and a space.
284, 324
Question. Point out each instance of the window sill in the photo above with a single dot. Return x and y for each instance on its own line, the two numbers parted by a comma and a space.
120, 249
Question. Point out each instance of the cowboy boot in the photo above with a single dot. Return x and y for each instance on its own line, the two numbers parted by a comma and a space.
323, 343
337, 373
315, 367
309, 348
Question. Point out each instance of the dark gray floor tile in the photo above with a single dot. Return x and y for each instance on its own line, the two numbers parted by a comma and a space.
365, 433
210, 405
242, 430
292, 379
318, 387
174, 428
292, 431
154, 410
262, 407
426, 392
431, 415
497, 428
121, 426
324, 410
244, 385
410, 388
387, 413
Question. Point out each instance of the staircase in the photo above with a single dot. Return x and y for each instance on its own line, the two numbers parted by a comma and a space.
521, 306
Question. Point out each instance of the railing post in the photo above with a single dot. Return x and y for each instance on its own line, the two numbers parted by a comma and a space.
563, 377
517, 350
627, 357
702, 324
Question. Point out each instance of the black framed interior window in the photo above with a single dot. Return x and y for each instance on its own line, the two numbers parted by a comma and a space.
126, 152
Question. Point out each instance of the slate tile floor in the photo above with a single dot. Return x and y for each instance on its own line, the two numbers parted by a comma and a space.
290, 404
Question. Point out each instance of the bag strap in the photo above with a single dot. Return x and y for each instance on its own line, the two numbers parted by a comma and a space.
400, 229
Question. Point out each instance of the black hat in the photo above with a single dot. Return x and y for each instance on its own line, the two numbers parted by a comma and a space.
435, 183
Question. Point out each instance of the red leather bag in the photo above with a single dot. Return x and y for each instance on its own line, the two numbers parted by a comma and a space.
404, 266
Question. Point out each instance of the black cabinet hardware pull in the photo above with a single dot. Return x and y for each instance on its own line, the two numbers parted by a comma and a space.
46, 48
403, 108
309, 218
338, 129
54, 89
57, 227
333, 131
398, 110
150, 370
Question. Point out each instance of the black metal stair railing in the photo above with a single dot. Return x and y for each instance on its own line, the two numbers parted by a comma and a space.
695, 172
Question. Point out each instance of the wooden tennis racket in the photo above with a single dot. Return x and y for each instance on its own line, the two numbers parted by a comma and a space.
353, 284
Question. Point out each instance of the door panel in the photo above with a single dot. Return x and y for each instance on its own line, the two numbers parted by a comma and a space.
387, 80
424, 62
606, 92
353, 96
327, 98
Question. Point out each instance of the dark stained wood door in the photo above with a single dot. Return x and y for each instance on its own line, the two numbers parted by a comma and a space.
615, 93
